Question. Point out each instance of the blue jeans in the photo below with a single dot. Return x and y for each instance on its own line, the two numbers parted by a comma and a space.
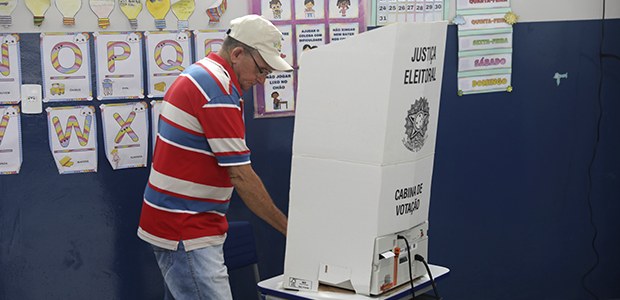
197, 274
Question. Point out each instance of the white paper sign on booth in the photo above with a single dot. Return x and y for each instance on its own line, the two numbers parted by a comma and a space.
168, 53
66, 66
125, 134
10, 140
119, 65
10, 69
73, 138
363, 154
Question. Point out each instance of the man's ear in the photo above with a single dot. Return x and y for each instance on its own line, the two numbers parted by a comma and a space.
235, 54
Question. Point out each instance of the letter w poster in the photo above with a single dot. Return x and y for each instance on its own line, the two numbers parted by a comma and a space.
73, 138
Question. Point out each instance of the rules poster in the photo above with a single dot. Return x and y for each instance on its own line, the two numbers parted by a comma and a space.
73, 138
125, 134
66, 66
119, 65
10, 140
167, 55
10, 69
305, 25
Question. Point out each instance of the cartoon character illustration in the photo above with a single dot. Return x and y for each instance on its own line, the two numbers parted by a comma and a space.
182, 36
9, 40
107, 86
80, 38
115, 158
343, 5
139, 107
309, 10
133, 38
276, 8
57, 88
276, 100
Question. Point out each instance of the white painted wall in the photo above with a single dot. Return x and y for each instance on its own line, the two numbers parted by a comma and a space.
558, 10
527, 10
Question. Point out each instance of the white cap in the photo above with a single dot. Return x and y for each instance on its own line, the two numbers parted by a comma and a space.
260, 34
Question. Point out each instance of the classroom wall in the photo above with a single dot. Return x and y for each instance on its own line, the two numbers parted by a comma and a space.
525, 188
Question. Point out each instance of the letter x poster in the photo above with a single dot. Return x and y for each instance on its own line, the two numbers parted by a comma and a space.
73, 138
125, 134
305, 25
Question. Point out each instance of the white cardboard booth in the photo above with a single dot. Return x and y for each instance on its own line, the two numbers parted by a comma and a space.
363, 152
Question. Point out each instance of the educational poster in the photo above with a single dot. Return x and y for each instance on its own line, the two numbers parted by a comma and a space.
343, 9
277, 10
309, 36
125, 134
305, 25
384, 12
118, 61
338, 31
73, 138
485, 46
10, 140
10, 69
309, 9
155, 112
167, 55
207, 41
66, 66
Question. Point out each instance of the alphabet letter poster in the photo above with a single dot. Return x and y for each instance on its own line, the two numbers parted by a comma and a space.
125, 134
73, 138
167, 55
119, 65
10, 70
66, 66
10, 140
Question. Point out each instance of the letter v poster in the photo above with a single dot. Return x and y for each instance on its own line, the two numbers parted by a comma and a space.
73, 138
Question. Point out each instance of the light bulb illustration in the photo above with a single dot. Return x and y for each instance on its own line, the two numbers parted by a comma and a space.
68, 9
38, 9
158, 9
6, 9
131, 9
183, 9
102, 8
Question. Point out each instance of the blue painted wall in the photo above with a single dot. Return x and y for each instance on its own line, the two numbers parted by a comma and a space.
515, 175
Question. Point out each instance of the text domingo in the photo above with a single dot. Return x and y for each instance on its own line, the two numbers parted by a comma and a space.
424, 75
409, 207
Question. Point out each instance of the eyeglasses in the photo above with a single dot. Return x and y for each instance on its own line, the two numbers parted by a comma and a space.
261, 72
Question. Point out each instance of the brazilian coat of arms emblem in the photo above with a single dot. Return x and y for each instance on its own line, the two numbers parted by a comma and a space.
416, 125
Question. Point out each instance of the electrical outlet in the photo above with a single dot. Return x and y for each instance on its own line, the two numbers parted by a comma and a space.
31, 99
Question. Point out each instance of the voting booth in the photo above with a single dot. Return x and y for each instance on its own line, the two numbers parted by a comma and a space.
363, 152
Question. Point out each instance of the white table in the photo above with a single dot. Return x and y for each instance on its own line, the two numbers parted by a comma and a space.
272, 289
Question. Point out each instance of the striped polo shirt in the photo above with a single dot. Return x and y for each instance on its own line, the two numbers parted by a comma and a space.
201, 132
